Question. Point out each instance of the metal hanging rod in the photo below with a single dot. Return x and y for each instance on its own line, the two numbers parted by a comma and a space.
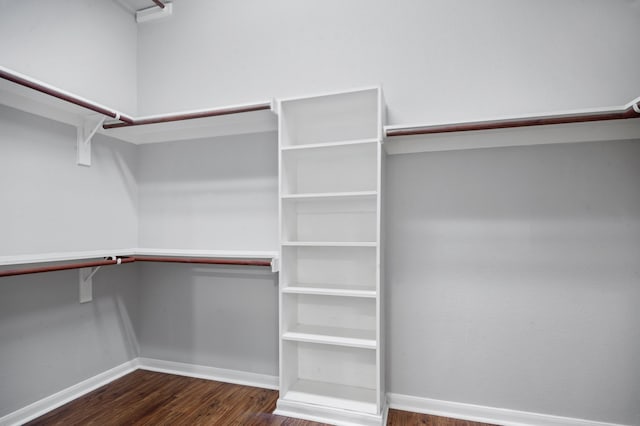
630, 111
78, 265
203, 260
189, 116
67, 97
131, 259
159, 4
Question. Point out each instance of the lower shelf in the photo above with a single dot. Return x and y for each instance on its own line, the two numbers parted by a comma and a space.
332, 336
333, 395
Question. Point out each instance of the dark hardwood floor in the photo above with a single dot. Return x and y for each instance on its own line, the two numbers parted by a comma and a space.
149, 398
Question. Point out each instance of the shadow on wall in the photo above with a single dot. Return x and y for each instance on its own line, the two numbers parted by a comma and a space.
49, 341
217, 316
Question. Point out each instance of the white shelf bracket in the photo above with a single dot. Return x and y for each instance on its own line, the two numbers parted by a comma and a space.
84, 135
86, 283
275, 264
274, 106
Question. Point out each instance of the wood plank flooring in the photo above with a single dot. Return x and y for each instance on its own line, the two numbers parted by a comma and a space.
149, 398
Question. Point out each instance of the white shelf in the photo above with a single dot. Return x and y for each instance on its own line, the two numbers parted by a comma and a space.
96, 254
329, 195
221, 125
333, 395
328, 290
329, 243
330, 182
329, 144
34, 102
590, 131
349, 337
227, 254
63, 256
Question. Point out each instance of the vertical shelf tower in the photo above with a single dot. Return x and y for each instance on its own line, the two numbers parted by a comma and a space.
331, 339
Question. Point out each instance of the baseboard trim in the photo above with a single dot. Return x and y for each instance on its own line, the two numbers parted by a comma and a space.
321, 414
479, 413
64, 396
210, 373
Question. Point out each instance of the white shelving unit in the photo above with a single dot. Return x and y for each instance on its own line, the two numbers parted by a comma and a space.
331, 360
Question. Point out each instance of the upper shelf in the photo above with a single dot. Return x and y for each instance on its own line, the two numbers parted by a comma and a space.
36, 97
599, 124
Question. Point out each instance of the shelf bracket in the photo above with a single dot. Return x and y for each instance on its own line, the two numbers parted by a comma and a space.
86, 283
86, 280
84, 134
275, 264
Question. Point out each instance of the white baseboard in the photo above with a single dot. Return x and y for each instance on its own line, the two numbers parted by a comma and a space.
479, 413
210, 373
322, 414
58, 399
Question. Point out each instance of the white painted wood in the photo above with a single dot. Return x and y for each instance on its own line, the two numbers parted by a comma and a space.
58, 399
233, 254
329, 144
341, 168
222, 125
328, 290
351, 337
627, 129
330, 219
330, 243
34, 102
330, 195
484, 414
324, 414
332, 395
350, 268
154, 13
97, 254
330, 256
63, 256
209, 373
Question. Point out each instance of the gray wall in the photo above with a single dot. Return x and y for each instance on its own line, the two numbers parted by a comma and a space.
513, 278
85, 47
213, 194
437, 60
217, 193
49, 204
49, 341
223, 317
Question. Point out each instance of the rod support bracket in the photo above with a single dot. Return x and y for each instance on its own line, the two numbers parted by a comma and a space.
84, 134
86, 283
636, 107
275, 264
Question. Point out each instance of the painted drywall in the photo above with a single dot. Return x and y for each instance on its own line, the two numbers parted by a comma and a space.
216, 316
212, 194
84, 47
513, 278
436, 60
49, 341
49, 204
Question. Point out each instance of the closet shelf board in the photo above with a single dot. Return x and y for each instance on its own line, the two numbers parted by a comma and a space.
328, 290
332, 395
329, 144
354, 338
96, 254
322, 195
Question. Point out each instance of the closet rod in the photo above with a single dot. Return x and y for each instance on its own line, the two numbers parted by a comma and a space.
35, 85
189, 116
159, 4
204, 260
632, 111
89, 264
